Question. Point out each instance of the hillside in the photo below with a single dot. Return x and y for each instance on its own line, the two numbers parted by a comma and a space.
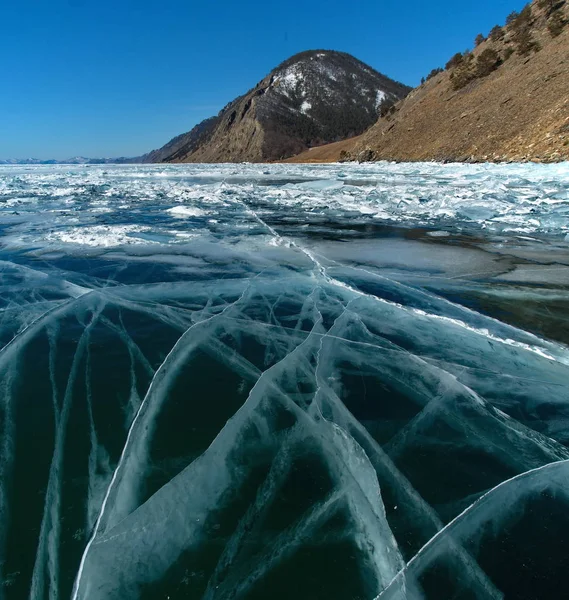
507, 100
313, 98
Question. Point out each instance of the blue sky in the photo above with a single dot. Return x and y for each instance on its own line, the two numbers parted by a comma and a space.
112, 78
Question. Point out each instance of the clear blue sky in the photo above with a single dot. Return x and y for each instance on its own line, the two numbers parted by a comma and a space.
111, 78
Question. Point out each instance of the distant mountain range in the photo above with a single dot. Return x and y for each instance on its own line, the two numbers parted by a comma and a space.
313, 98
77, 160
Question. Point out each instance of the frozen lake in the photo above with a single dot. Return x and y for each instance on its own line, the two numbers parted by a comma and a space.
340, 382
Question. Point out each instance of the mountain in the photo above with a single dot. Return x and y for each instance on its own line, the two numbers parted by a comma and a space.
313, 98
507, 100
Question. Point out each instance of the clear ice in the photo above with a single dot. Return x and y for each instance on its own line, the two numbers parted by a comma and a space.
246, 382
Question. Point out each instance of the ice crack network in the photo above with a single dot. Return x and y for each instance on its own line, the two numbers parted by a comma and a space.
272, 381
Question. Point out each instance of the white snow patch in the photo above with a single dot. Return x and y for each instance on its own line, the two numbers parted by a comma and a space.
100, 235
290, 79
379, 97
186, 211
305, 107
186, 235
439, 234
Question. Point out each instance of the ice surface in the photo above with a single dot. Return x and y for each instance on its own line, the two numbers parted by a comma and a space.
186, 211
492, 199
277, 381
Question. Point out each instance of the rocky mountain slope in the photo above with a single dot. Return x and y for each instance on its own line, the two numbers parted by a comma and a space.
507, 100
313, 98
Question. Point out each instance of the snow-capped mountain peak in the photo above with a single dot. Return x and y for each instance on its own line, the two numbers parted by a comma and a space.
312, 98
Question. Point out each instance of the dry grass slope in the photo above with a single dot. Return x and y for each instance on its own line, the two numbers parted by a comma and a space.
517, 112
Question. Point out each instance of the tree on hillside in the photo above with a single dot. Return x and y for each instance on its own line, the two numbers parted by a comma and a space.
454, 61
488, 61
461, 77
524, 18
464, 72
496, 33
512, 17
469, 69
434, 72
386, 107
479, 39
508, 52
522, 33
525, 43
556, 24
548, 5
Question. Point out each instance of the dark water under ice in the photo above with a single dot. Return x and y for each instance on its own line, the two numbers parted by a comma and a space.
284, 382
